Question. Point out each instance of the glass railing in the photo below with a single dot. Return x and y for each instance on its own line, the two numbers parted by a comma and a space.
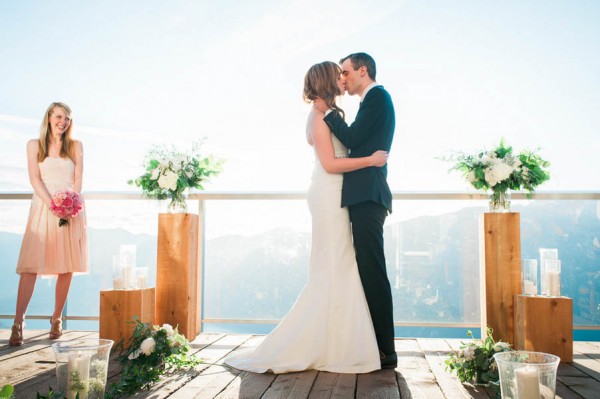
256, 248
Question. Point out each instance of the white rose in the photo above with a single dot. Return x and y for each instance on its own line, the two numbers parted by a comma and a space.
468, 353
500, 346
168, 181
490, 177
147, 346
497, 172
169, 329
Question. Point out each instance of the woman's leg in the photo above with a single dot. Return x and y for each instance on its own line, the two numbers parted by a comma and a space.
26, 287
63, 283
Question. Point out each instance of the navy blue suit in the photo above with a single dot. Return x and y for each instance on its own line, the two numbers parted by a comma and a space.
369, 199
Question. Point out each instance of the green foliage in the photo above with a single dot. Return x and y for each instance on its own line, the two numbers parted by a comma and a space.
152, 351
500, 170
7, 392
169, 172
474, 361
53, 395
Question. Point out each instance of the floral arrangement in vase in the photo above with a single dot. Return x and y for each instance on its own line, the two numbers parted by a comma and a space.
152, 352
169, 173
499, 170
474, 361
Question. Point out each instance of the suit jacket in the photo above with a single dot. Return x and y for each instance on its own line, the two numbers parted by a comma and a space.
372, 130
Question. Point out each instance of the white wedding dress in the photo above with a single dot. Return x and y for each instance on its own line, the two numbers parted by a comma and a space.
329, 327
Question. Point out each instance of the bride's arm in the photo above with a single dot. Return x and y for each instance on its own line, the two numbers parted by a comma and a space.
33, 170
321, 138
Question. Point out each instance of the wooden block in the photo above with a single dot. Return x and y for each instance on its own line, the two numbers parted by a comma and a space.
118, 307
177, 273
500, 267
544, 324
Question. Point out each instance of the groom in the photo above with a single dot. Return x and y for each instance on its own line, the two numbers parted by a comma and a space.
366, 192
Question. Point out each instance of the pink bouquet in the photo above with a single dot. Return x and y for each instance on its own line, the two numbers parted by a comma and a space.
66, 204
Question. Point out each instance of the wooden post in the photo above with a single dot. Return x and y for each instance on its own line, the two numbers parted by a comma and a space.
117, 309
544, 324
500, 266
177, 274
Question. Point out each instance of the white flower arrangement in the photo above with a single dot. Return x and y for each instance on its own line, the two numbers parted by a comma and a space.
474, 361
499, 170
151, 352
170, 172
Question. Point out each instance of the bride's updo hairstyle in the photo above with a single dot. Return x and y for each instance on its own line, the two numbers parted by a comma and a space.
321, 81
45, 134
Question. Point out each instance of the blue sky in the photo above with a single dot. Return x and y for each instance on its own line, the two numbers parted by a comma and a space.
462, 74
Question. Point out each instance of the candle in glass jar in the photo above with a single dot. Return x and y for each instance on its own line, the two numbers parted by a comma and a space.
78, 373
528, 383
119, 283
554, 283
529, 288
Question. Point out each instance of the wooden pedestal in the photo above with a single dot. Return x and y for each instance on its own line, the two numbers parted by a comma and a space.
500, 266
118, 307
177, 273
544, 324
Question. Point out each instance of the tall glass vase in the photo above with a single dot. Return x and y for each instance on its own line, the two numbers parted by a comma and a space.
81, 367
500, 201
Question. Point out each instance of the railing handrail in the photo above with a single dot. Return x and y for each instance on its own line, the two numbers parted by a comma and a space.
298, 195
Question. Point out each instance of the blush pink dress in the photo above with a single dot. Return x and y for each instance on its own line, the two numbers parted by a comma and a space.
48, 249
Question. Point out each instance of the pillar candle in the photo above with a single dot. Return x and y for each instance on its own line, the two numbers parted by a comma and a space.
78, 366
554, 283
529, 288
142, 282
119, 283
528, 383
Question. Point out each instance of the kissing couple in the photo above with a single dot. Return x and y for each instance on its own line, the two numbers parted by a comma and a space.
342, 322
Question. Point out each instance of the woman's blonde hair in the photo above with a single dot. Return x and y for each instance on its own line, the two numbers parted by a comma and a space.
67, 149
321, 81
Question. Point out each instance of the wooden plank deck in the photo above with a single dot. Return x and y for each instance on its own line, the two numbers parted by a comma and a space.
420, 373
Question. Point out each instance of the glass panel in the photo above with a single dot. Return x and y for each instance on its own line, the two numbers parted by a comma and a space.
257, 251
256, 270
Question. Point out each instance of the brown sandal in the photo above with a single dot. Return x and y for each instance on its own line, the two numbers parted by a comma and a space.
55, 328
16, 335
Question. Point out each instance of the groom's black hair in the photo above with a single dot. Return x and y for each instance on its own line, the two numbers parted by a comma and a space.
362, 59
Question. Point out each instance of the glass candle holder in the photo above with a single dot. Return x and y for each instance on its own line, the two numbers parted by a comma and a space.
141, 277
529, 271
119, 274
546, 254
525, 375
81, 367
553, 276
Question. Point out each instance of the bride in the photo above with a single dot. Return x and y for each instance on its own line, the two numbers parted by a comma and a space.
329, 328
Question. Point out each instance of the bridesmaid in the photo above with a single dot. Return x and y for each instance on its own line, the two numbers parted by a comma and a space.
54, 162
